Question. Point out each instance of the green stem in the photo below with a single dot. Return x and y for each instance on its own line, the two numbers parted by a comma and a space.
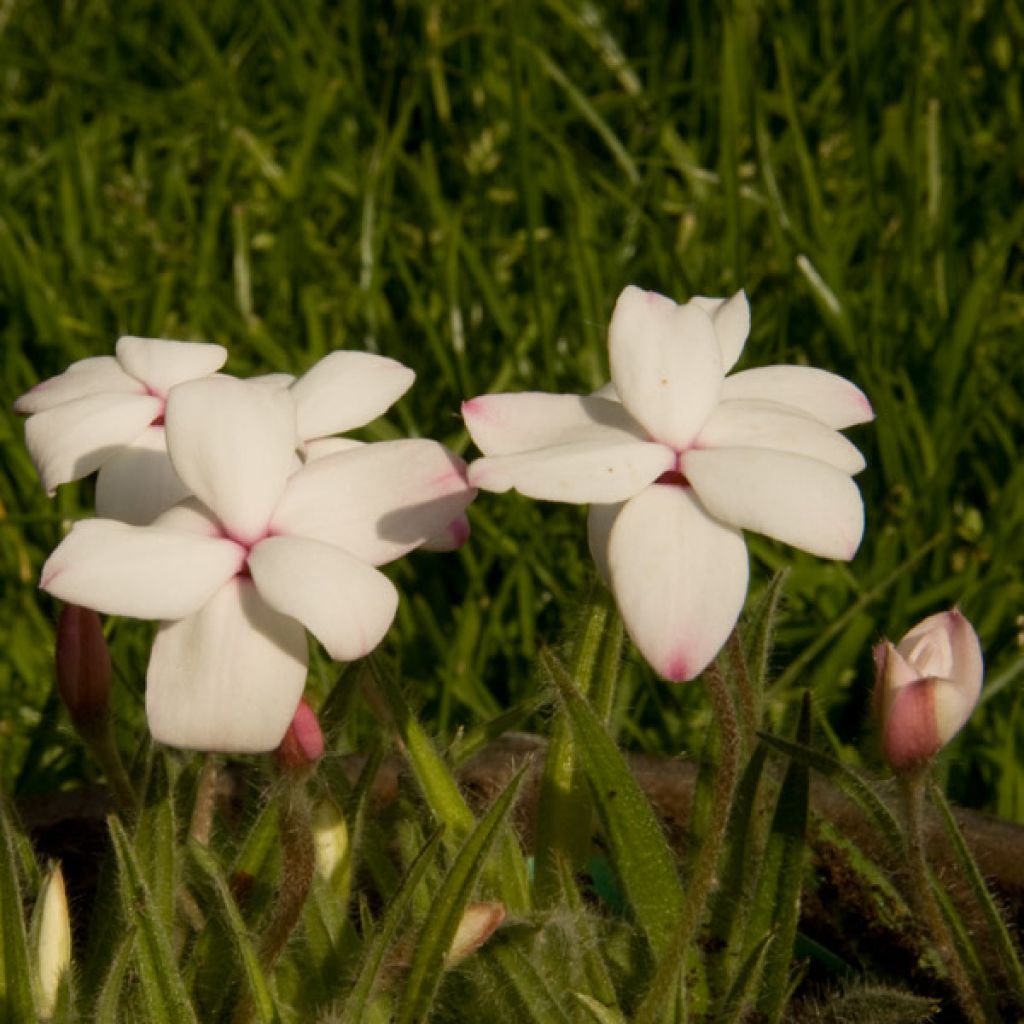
706, 863
924, 898
748, 701
101, 743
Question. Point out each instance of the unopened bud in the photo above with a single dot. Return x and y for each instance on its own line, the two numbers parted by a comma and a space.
926, 687
330, 840
53, 949
479, 922
303, 743
83, 667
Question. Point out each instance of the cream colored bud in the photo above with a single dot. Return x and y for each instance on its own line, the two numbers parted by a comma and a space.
53, 950
479, 922
330, 840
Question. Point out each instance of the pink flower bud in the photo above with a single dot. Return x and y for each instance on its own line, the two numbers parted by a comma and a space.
83, 666
303, 743
926, 687
479, 922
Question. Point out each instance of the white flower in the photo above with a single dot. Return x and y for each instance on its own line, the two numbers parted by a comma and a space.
262, 550
926, 687
676, 459
106, 413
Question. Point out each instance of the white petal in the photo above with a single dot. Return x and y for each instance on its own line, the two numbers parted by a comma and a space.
946, 645
160, 364
345, 603
583, 472
451, 538
73, 439
227, 678
666, 364
146, 572
731, 318
376, 502
345, 390
190, 516
233, 445
953, 707
600, 520
818, 393
92, 376
139, 483
756, 424
515, 423
321, 447
797, 500
272, 381
679, 578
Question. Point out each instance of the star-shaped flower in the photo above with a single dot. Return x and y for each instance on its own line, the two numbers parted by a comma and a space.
261, 551
676, 459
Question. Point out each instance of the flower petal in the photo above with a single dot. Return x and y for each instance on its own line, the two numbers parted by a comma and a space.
73, 439
233, 445
600, 520
754, 424
515, 423
679, 578
227, 678
583, 472
377, 501
138, 483
946, 645
731, 318
345, 390
451, 538
797, 500
321, 447
160, 364
818, 393
345, 603
96, 375
666, 364
147, 572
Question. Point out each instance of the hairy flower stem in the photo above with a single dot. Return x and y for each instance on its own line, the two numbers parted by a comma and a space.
201, 822
924, 899
748, 701
100, 741
705, 866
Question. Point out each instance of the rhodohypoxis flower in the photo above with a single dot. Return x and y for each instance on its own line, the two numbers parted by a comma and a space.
927, 685
676, 459
262, 550
106, 413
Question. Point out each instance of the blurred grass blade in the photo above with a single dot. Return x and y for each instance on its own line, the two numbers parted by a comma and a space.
259, 986
782, 877
16, 977
850, 783
448, 905
162, 984
354, 1010
639, 850
1000, 934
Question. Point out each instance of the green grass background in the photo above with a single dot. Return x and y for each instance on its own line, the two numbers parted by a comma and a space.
466, 187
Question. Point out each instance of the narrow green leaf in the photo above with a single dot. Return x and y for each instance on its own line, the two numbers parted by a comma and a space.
515, 974
16, 976
850, 783
782, 875
448, 906
162, 984
639, 849
737, 1001
354, 1010
759, 630
155, 842
259, 986
585, 940
598, 1012
442, 794
108, 1001
997, 926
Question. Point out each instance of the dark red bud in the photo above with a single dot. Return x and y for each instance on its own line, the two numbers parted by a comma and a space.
303, 743
83, 666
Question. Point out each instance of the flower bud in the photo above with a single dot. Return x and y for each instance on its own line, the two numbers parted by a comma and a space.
330, 840
479, 922
53, 948
83, 667
926, 687
303, 743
